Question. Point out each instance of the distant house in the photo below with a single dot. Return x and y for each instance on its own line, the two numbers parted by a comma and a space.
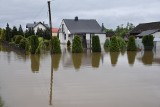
85, 28
109, 34
37, 25
144, 29
55, 31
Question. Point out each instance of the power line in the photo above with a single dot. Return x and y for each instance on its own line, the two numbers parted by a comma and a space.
40, 11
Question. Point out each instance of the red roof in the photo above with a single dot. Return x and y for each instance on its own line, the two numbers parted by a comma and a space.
54, 30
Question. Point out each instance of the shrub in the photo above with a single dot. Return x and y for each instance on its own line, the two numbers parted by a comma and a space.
107, 43
148, 42
121, 43
46, 42
2, 35
114, 44
22, 43
96, 47
34, 44
55, 45
77, 45
68, 43
131, 44
17, 39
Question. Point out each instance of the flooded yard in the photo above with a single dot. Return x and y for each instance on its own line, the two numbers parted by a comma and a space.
125, 79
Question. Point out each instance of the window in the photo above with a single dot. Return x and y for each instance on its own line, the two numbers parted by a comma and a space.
64, 36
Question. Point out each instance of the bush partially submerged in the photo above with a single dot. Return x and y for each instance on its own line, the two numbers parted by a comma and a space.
107, 43
55, 45
131, 44
34, 44
68, 43
114, 47
18, 38
96, 47
77, 45
148, 42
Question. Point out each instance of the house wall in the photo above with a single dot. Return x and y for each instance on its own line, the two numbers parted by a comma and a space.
157, 35
54, 34
140, 44
62, 34
40, 26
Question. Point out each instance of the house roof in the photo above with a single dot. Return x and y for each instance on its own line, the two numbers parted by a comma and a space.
32, 25
83, 26
147, 32
145, 26
110, 34
55, 30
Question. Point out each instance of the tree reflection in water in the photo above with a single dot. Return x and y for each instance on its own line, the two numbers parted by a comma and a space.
1, 102
131, 57
35, 62
55, 61
147, 57
96, 59
77, 60
114, 58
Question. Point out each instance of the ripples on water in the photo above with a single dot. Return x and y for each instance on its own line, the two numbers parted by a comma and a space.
113, 79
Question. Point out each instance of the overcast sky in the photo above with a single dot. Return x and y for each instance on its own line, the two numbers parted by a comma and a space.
109, 12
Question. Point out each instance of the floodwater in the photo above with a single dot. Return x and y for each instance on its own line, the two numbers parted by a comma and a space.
125, 79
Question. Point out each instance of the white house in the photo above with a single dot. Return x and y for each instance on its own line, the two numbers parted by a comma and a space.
85, 28
143, 29
37, 25
155, 33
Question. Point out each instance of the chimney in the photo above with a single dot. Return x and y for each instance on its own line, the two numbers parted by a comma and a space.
34, 22
103, 28
76, 18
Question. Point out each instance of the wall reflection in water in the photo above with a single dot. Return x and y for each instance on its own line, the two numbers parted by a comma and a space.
131, 57
114, 58
96, 59
35, 63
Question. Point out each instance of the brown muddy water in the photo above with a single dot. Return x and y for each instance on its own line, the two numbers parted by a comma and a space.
125, 79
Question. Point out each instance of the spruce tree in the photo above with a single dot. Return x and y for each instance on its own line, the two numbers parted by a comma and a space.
8, 33
20, 31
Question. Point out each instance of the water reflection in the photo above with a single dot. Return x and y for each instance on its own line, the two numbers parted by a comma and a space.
96, 59
35, 63
1, 102
51, 86
147, 57
77, 60
114, 58
55, 61
131, 57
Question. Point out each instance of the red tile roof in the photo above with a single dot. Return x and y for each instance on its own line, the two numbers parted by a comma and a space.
54, 30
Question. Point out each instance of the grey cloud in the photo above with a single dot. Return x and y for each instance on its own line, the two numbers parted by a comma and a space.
111, 13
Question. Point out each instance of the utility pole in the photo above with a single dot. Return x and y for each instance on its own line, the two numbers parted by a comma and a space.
50, 18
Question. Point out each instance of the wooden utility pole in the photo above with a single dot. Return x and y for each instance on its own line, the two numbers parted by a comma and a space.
50, 18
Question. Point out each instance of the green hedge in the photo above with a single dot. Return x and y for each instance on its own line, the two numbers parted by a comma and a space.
18, 38
96, 47
55, 45
34, 44
114, 47
148, 42
77, 45
131, 44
